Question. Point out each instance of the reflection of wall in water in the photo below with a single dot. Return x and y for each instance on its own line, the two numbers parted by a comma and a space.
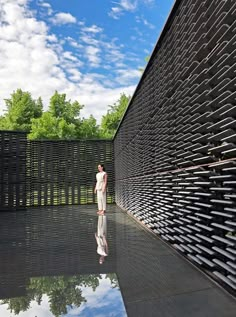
50, 242
13, 249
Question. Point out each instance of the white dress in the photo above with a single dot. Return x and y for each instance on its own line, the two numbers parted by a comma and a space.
100, 180
101, 197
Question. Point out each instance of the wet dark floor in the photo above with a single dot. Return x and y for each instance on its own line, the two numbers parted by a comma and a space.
49, 266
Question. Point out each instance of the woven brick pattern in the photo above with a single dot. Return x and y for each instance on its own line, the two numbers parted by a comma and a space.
12, 170
63, 172
40, 173
175, 150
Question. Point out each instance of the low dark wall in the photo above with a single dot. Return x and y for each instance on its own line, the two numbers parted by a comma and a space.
64, 172
175, 150
12, 170
40, 173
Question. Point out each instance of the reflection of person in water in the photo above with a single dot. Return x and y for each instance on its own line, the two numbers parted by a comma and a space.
100, 235
101, 188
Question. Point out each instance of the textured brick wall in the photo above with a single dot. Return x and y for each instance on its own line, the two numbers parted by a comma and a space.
42, 173
175, 150
12, 170
64, 172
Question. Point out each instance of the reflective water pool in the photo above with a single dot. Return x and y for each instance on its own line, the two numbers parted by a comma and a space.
78, 295
68, 261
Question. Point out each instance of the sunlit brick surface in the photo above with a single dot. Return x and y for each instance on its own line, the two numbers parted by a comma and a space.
175, 150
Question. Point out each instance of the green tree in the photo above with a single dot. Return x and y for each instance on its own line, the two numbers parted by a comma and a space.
89, 128
62, 291
111, 120
61, 121
113, 279
65, 109
50, 127
18, 304
21, 109
2, 123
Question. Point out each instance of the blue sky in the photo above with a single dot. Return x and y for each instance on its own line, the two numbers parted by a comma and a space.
105, 301
89, 49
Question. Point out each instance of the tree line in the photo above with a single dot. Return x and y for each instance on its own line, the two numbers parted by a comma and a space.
62, 120
63, 292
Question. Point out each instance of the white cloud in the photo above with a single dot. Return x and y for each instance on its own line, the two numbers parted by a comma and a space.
89, 40
19, 2
70, 56
151, 26
122, 6
141, 19
140, 34
114, 55
63, 18
94, 48
104, 296
98, 96
115, 13
74, 74
92, 55
88, 34
149, 2
92, 29
46, 6
52, 38
127, 6
126, 75
73, 43
33, 59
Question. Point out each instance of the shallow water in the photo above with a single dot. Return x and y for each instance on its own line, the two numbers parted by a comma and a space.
50, 263
78, 295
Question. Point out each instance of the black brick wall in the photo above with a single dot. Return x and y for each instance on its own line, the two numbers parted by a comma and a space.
175, 150
43, 173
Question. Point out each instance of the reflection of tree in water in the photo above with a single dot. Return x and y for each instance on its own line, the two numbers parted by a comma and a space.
113, 279
62, 292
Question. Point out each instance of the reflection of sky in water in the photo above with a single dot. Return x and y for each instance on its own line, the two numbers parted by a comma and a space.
105, 301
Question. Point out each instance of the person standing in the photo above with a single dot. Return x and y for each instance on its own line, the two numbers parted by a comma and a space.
101, 188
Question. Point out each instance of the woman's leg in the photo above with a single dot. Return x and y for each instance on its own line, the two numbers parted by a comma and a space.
99, 200
104, 202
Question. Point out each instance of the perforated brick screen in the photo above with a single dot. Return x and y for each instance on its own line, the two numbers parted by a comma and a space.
64, 172
40, 173
12, 170
175, 150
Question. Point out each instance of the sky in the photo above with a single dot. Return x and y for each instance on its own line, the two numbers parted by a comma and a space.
105, 301
91, 50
